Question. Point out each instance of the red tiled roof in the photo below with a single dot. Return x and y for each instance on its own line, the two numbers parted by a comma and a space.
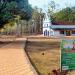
63, 23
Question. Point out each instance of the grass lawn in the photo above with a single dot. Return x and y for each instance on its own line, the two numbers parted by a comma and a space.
44, 55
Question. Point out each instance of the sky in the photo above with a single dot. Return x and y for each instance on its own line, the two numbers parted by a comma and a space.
59, 3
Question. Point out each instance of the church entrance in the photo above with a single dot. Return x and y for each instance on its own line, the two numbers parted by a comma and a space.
46, 33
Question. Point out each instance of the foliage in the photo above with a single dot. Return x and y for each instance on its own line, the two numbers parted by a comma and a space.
52, 5
66, 14
37, 17
9, 9
51, 9
24, 9
5, 13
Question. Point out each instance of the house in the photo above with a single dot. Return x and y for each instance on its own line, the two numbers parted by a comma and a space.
47, 30
58, 28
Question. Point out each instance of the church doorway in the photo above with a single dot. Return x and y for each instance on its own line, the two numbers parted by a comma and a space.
46, 32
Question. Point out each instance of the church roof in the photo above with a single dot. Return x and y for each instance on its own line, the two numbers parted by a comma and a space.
63, 26
46, 18
63, 23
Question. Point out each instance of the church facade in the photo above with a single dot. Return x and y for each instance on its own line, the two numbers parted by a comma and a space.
57, 30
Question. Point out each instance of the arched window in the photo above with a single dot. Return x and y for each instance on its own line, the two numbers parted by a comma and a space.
44, 33
47, 25
48, 33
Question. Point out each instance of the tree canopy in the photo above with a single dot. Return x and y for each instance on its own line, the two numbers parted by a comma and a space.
10, 8
66, 14
37, 17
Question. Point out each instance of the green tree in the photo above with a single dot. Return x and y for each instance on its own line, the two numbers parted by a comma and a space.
9, 9
37, 16
5, 13
51, 8
66, 14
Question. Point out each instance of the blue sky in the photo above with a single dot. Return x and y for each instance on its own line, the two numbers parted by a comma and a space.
59, 3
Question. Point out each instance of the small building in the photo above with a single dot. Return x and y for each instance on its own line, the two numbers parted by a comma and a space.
58, 28
64, 30
47, 30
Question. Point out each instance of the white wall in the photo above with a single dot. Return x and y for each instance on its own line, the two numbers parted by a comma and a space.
56, 33
72, 34
48, 29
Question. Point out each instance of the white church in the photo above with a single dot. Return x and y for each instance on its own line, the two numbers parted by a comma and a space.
57, 30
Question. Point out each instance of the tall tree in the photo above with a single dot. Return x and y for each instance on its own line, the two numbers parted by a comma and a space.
66, 14
51, 8
9, 8
37, 16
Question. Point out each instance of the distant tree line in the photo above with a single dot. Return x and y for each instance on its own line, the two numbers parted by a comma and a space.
37, 17
65, 15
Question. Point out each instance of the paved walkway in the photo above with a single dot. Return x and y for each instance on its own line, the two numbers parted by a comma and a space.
14, 61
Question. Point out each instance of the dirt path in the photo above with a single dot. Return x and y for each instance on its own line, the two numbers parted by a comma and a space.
14, 61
